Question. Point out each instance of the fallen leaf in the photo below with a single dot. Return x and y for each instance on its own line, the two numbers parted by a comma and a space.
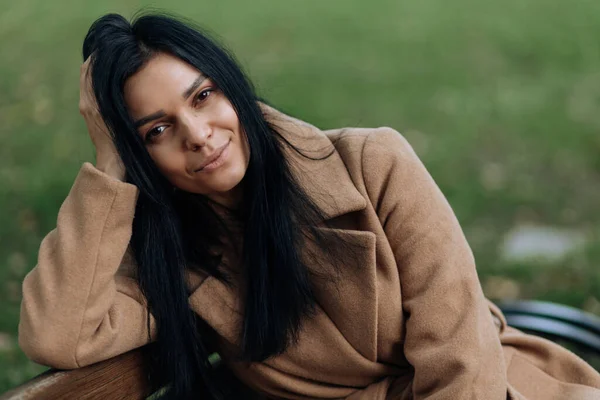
6, 342
501, 288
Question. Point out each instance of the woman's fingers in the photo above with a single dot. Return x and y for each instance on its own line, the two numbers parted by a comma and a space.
107, 157
87, 99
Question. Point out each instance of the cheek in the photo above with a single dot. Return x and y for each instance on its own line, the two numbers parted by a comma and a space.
233, 118
168, 162
226, 114
242, 159
244, 147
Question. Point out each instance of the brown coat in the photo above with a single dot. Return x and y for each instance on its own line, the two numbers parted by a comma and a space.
407, 318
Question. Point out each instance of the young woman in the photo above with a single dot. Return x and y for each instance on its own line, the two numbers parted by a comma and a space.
319, 265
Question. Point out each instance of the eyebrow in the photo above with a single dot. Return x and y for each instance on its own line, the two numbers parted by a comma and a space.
193, 86
149, 118
159, 114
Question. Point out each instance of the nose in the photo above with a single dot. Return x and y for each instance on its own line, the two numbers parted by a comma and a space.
196, 133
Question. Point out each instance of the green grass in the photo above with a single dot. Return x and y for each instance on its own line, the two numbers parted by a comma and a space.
500, 99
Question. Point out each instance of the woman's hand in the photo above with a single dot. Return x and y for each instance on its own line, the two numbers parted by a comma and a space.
107, 157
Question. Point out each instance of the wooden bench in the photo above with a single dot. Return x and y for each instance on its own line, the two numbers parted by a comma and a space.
123, 377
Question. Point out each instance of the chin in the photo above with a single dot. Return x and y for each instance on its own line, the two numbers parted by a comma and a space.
221, 182
234, 176
225, 182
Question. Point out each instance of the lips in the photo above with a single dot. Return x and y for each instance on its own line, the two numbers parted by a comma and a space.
212, 157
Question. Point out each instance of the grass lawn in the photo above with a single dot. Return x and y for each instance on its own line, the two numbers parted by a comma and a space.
500, 99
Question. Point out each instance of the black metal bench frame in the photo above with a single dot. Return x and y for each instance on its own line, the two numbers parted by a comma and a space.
556, 322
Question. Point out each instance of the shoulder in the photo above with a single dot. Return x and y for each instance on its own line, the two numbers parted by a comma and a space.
382, 163
373, 149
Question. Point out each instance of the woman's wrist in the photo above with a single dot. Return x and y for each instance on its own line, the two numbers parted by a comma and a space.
111, 165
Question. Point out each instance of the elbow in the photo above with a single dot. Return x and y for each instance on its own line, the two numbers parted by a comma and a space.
42, 347
43, 335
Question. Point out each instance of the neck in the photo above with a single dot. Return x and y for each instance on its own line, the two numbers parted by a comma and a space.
230, 202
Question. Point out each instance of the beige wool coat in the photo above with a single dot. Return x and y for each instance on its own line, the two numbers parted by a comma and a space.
406, 319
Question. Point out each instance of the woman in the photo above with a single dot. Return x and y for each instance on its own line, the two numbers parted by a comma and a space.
317, 264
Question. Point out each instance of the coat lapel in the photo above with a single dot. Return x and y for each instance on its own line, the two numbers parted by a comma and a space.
321, 173
349, 295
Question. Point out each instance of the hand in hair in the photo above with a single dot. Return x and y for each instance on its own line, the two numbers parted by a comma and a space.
107, 157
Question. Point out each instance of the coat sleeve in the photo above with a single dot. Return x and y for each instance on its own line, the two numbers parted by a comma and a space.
450, 337
78, 306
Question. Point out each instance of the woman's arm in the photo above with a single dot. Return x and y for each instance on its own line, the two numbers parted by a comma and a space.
451, 340
77, 309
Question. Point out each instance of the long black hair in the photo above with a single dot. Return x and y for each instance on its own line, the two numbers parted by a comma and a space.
173, 231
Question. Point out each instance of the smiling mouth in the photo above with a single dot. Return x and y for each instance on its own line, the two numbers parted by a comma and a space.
218, 161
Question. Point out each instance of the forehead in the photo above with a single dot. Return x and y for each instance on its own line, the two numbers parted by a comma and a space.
159, 84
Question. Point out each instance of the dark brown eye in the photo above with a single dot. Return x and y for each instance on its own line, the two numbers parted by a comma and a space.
154, 133
203, 95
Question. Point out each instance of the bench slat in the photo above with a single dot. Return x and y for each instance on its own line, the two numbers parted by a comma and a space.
121, 377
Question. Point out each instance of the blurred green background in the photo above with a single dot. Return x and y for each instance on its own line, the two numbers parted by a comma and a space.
499, 98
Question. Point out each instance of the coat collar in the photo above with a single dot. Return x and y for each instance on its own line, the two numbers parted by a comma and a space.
352, 296
319, 170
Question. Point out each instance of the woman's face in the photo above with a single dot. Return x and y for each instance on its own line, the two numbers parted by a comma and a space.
185, 121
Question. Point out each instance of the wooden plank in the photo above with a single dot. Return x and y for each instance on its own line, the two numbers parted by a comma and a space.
121, 377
